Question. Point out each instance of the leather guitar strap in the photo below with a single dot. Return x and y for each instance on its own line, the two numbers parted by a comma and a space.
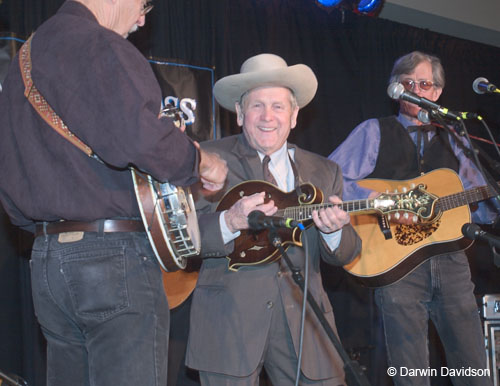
41, 105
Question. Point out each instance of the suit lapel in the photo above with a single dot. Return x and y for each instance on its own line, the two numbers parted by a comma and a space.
252, 165
250, 161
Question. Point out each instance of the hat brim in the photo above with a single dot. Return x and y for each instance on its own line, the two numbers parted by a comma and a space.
298, 78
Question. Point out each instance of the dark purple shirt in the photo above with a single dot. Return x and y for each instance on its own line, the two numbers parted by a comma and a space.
106, 93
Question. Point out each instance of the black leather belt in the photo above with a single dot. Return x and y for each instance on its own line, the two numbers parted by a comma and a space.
105, 226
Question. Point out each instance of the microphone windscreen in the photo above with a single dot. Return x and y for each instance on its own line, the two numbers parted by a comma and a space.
471, 231
254, 217
423, 116
395, 90
476, 83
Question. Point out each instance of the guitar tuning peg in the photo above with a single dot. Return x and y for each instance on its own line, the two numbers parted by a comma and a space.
406, 215
412, 186
415, 218
397, 215
395, 190
404, 189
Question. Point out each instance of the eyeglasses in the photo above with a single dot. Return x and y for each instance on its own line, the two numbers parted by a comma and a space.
409, 84
147, 7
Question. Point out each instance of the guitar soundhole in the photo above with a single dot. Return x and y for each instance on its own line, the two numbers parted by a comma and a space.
413, 234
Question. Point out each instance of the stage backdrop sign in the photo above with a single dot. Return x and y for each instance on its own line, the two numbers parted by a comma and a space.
189, 88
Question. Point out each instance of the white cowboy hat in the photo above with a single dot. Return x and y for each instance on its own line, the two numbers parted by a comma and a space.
266, 70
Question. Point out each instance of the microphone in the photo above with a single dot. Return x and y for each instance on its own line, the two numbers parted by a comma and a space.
474, 232
425, 117
397, 91
482, 85
259, 221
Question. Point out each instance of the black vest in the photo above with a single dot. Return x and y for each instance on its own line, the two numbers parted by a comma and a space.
398, 157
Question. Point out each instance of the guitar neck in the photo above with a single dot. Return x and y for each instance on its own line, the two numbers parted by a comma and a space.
304, 212
463, 198
393, 202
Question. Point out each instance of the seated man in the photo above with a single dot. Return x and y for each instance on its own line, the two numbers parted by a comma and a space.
244, 320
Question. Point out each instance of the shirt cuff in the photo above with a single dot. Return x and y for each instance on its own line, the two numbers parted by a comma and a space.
227, 235
332, 239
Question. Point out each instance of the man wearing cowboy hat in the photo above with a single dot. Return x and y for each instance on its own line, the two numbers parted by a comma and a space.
244, 320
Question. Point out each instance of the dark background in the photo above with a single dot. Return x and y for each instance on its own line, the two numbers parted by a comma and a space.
352, 56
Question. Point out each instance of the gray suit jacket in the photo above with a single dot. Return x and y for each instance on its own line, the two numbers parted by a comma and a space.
231, 311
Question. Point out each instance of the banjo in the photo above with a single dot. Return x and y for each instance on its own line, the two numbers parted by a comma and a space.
168, 214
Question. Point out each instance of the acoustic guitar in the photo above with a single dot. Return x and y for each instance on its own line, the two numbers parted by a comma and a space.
178, 285
384, 261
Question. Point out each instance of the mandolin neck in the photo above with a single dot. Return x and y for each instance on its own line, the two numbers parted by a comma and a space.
304, 212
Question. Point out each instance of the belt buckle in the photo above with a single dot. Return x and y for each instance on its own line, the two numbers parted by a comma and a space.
70, 237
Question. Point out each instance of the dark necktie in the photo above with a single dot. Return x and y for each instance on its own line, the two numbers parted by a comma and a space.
422, 133
267, 173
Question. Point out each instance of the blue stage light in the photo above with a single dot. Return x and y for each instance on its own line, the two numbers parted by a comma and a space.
368, 5
329, 3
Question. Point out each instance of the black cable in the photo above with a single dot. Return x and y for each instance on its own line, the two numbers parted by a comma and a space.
495, 144
464, 132
352, 367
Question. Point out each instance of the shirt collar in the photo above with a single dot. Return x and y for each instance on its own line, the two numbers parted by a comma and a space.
277, 156
405, 121
76, 8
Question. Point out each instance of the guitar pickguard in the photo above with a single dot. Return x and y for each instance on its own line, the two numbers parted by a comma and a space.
413, 234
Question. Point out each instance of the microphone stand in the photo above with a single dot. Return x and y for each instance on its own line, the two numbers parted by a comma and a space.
462, 131
471, 153
351, 367
496, 256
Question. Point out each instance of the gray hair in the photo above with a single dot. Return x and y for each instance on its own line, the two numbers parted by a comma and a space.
293, 99
406, 65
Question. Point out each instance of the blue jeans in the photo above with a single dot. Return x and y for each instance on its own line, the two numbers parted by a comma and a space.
102, 308
439, 289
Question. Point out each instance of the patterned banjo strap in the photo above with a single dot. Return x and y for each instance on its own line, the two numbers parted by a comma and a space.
41, 105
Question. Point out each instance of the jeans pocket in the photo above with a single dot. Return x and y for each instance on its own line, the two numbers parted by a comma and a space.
97, 282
